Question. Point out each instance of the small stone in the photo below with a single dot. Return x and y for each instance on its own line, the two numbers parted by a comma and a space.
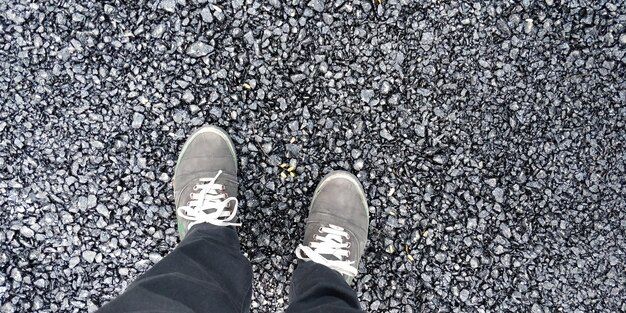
427, 40
622, 39
168, 5
92, 201
8, 308
103, 210
142, 265
137, 120
16, 275
154, 257
297, 78
266, 147
424, 92
498, 194
199, 49
89, 256
375, 305
188, 96
385, 87
528, 25
464, 295
123, 199
385, 134
108, 9
439, 159
164, 177
317, 5
74, 261
358, 165
206, 15
367, 95
236, 4
41, 283
27, 232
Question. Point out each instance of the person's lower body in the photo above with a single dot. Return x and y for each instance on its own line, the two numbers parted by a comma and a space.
207, 272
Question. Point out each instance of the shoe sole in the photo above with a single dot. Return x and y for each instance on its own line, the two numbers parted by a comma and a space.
339, 175
209, 129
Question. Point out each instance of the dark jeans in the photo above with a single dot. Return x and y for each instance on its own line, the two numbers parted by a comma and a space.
206, 272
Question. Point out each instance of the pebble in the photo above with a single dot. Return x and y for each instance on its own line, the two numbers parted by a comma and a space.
188, 96
385, 134
199, 49
27, 232
528, 25
367, 95
358, 164
168, 5
89, 256
103, 210
498, 194
137, 120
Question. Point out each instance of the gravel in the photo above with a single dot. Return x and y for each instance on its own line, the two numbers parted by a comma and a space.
489, 138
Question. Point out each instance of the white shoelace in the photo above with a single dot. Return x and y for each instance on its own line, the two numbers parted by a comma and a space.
209, 197
331, 244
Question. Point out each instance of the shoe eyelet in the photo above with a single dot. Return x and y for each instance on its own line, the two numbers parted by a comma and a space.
348, 253
349, 245
348, 237
320, 230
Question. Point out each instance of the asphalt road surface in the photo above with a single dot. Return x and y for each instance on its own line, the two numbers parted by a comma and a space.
489, 136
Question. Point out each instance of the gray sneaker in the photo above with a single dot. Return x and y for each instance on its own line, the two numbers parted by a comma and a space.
336, 230
205, 180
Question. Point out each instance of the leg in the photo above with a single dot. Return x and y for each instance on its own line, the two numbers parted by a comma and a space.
334, 240
316, 288
205, 273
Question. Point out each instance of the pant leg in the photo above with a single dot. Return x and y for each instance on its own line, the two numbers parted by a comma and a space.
205, 273
316, 288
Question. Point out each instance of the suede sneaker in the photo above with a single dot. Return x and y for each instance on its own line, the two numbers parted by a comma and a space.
205, 180
336, 229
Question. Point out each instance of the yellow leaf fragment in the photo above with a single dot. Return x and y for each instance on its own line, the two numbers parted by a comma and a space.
291, 168
410, 257
283, 175
293, 139
292, 174
284, 165
247, 86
